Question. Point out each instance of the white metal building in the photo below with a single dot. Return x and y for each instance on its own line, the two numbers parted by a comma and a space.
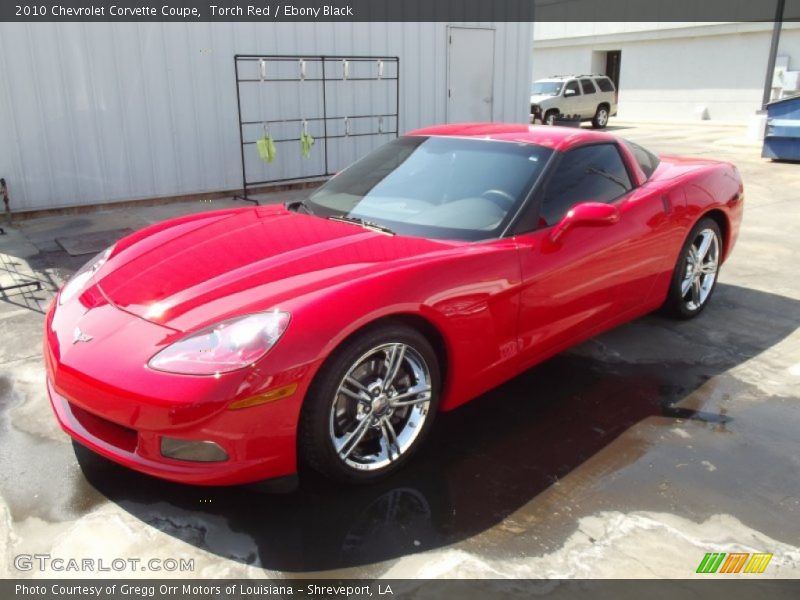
674, 71
96, 113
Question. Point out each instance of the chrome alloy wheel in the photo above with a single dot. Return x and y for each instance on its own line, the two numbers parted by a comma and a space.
702, 264
380, 406
602, 117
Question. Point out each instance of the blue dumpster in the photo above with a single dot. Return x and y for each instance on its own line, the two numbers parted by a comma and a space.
782, 139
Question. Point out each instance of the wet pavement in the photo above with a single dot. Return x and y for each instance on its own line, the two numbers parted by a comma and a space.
631, 455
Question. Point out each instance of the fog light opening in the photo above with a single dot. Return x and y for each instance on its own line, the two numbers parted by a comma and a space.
192, 450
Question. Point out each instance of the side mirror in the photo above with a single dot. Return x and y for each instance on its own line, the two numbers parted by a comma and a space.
586, 214
570, 92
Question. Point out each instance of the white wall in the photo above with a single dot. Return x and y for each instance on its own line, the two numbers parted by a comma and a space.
559, 30
93, 113
670, 71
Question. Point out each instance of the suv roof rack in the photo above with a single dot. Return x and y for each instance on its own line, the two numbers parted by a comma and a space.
577, 76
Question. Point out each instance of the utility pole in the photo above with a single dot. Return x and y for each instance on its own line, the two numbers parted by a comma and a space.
773, 51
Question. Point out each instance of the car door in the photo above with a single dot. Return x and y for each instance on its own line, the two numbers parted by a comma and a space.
589, 98
568, 285
571, 98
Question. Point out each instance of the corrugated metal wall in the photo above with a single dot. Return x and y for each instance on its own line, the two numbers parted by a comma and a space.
93, 113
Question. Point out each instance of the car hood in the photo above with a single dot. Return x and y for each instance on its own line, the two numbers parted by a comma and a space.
539, 98
191, 272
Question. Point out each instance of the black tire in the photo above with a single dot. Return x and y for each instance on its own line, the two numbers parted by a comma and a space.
550, 116
600, 119
677, 304
316, 446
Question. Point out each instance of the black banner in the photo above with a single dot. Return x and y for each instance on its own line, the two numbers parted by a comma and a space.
268, 11
397, 10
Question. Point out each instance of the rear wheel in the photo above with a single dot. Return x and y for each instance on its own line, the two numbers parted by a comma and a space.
371, 405
600, 119
695, 275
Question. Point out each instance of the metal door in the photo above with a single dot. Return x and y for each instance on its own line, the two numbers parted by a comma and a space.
470, 74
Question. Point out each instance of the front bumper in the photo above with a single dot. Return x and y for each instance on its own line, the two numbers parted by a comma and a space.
106, 398
139, 450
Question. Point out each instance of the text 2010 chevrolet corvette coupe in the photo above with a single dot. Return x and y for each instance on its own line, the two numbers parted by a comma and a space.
230, 346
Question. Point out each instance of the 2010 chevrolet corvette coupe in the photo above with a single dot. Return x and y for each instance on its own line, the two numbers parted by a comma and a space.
232, 346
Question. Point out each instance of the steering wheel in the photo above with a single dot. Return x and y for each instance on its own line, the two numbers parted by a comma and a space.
503, 199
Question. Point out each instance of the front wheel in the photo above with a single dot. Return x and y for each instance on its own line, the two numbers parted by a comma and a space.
371, 405
550, 117
695, 275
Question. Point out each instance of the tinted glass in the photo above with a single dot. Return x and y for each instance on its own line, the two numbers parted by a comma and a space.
436, 187
588, 174
646, 159
588, 86
572, 85
547, 88
604, 83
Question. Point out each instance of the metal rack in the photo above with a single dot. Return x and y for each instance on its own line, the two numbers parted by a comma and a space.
325, 78
7, 265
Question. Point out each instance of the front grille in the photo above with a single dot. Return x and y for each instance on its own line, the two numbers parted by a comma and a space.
103, 429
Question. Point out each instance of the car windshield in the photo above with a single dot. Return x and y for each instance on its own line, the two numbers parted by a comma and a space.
547, 88
435, 187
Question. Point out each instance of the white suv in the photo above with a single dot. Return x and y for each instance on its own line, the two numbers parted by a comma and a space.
591, 97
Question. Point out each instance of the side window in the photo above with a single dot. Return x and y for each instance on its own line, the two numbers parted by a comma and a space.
572, 85
646, 159
588, 86
593, 173
604, 83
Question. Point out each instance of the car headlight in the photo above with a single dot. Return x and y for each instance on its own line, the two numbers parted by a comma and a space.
225, 346
79, 280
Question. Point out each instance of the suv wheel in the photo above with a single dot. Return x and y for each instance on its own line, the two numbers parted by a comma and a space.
600, 119
550, 117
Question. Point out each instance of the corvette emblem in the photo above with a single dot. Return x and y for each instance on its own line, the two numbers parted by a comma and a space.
79, 336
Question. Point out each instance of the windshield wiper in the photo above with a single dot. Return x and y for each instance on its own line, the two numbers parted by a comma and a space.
363, 223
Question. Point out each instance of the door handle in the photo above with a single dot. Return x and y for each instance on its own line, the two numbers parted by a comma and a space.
488, 99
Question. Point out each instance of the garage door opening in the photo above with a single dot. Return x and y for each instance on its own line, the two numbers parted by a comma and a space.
607, 62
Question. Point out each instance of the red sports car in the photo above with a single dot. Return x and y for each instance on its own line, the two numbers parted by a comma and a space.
230, 346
